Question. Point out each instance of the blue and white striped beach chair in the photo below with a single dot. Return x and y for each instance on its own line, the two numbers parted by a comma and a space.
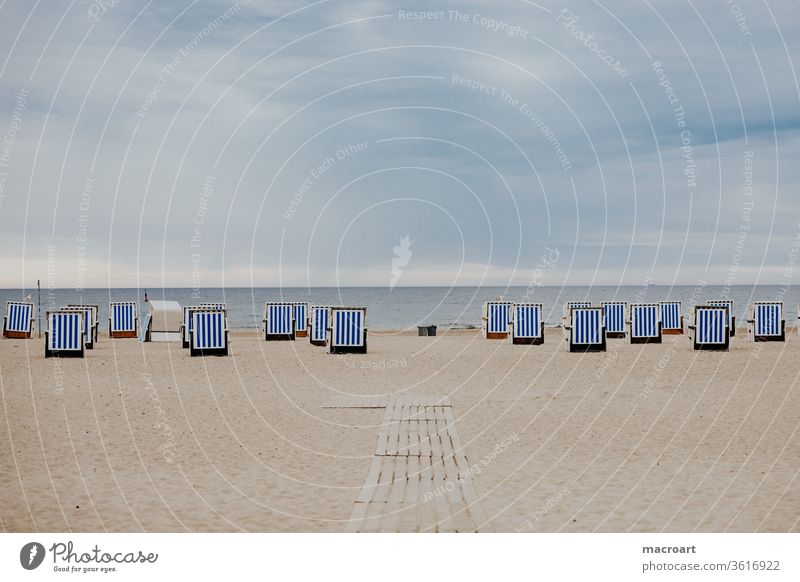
495, 319
64, 334
766, 323
95, 319
348, 330
645, 323
279, 321
731, 317
567, 311
527, 324
89, 322
187, 321
301, 319
710, 328
18, 320
122, 319
209, 333
614, 317
586, 331
320, 322
671, 317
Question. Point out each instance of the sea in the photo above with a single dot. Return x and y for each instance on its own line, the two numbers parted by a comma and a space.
403, 308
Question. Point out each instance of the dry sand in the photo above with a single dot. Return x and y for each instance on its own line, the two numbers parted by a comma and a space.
642, 438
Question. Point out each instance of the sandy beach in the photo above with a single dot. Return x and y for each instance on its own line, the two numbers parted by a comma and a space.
141, 437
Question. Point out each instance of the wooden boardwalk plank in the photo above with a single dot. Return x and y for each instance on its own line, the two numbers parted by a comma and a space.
420, 478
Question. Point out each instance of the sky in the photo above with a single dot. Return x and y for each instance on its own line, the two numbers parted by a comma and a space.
205, 144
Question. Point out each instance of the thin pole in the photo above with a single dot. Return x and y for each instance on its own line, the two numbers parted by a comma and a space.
39, 306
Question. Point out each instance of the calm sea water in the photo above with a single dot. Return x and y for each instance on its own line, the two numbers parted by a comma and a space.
407, 307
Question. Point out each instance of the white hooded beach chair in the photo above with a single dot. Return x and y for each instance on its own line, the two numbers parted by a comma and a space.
614, 317
209, 333
671, 318
495, 319
527, 324
585, 331
90, 323
18, 320
64, 334
348, 330
301, 319
279, 321
319, 324
644, 322
731, 317
710, 328
122, 319
765, 321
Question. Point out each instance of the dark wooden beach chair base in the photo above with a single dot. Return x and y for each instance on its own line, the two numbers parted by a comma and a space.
772, 338
17, 334
123, 334
279, 337
211, 352
200, 353
646, 340
319, 343
350, 349
733, 326
48, 353
587, 348
616, 334
527, 341
497, 335
301, 334
713, 347
530, 341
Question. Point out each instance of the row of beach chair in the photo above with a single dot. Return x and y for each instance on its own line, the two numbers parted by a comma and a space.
342, 329
587, 327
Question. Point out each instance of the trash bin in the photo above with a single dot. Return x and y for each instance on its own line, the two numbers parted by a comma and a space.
426, 330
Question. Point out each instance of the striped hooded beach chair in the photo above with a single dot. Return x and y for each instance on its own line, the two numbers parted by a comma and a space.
614, 318
671, 318
319, 324
569, 306
187, 320
209, 333
527, 324
765, 321
586, 331
122, 320
64, 334
731, 317
89, 322
644, 322
279, 321
301, 319
348, 330
495, 319
710, 328
18, 320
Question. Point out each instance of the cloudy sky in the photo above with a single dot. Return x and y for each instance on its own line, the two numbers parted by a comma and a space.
281, 143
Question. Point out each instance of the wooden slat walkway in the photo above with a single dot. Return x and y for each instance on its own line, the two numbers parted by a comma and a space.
420, 479
381, 401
